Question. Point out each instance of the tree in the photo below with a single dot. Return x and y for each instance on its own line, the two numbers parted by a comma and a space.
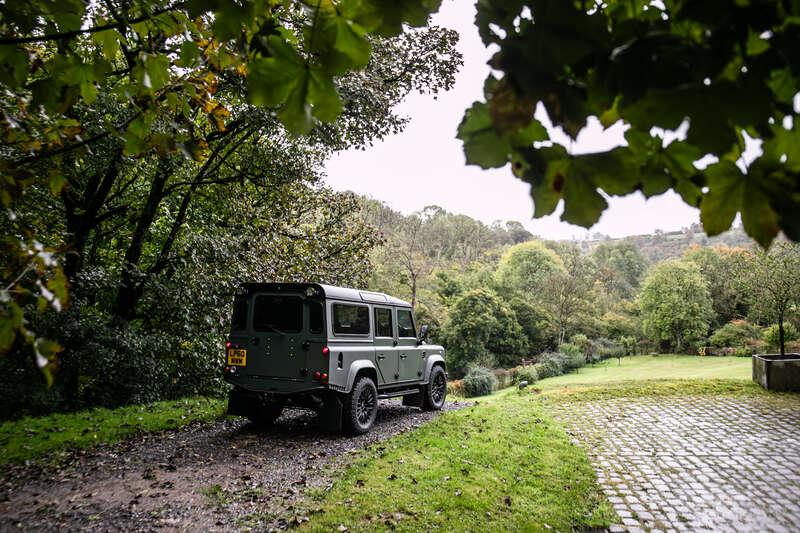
774, 281
483, 330
566, 292
675, 304
126, 111
525, 267
723, 269
620, 267
725, 71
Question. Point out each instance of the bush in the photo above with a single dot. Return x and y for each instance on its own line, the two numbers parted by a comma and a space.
456, 388
772, 335
525, 373
479, 381
735, 334
550, 364
503, 377
574, 356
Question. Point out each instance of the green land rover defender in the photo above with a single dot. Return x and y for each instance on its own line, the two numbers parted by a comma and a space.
332, 349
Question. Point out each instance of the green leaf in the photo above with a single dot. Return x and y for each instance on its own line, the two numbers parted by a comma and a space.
230, 18
583, 205
323, 97
722, 201
57, 182
783, 85
13, 65
730, 191
189, 54
272, 79
296, 112
7, 334
482, 145
755, 44
386, 17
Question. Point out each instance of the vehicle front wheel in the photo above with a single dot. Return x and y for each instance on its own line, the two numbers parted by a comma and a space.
360, 406
435, 392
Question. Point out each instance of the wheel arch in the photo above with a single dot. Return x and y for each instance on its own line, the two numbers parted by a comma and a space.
433, 360
359, 369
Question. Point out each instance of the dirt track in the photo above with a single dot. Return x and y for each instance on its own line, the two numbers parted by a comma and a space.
216, 477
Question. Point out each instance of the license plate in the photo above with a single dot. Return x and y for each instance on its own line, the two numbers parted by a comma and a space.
237, 357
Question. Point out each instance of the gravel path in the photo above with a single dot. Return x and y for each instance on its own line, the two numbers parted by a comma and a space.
216, 477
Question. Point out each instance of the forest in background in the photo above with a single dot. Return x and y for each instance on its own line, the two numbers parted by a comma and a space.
498, 296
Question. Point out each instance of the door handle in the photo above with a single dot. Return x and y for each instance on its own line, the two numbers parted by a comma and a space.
381, 357
306, 345
403, 356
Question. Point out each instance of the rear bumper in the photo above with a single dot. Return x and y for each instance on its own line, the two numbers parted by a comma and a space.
273, 385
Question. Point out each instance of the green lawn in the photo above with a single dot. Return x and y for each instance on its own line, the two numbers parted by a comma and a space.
646, 367
29, 438
503, 462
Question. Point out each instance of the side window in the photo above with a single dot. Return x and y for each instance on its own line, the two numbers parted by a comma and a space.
239, 319
405, 324
383, 322
350, 319
315, 317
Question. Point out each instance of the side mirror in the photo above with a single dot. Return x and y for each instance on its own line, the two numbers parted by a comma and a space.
423, 333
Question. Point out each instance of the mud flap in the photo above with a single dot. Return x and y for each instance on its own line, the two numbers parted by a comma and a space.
413, 400
239, 403
330, 416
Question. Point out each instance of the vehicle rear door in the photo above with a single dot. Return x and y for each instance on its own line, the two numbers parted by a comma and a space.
278, 347
386, 354
410, 356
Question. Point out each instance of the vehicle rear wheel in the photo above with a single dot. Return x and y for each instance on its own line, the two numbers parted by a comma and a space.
264, 412
360, 406
435, 392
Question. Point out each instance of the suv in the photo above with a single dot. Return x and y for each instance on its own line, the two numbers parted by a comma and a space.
332, 349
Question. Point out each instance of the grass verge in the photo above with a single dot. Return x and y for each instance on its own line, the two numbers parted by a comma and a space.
644, 367
30, 438
654, 388
503, 462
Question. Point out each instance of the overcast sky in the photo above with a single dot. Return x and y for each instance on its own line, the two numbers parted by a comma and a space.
425, 165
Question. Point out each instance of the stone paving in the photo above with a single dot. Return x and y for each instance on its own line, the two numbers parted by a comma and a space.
694, 463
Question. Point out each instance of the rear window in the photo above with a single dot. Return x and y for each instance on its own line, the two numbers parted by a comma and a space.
383, 322
282, 314
350, 319
239, 319
405, 324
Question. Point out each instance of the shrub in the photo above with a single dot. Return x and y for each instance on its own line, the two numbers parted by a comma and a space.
735, 334
525, 373
550, 364
503, 377
479, 381
772, 335
456, 388
574, 356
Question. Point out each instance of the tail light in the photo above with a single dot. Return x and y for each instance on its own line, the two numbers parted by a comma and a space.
317, 375
326, 351
228, 344
324, 377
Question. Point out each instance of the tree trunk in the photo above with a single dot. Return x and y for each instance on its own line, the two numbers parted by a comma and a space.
130, 289
780, 334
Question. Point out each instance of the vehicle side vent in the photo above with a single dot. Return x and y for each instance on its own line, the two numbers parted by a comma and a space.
339, 361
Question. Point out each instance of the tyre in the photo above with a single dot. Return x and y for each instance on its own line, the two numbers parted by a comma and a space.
264, 412
434, 393
360, 406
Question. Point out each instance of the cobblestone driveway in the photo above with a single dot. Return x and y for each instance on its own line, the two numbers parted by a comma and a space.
694, 464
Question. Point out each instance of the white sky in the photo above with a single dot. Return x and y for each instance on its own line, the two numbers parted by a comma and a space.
424, 165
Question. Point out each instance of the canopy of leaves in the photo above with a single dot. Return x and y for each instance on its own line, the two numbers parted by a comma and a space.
724, 71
